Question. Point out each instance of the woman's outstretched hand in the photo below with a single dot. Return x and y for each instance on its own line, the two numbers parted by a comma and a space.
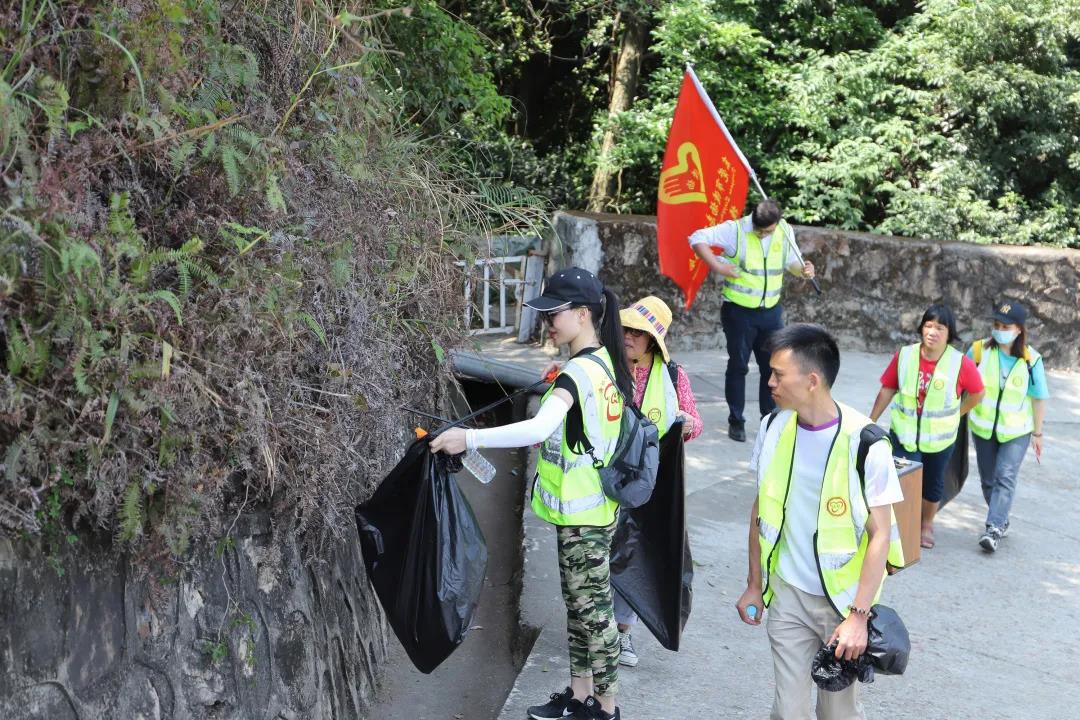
450, 441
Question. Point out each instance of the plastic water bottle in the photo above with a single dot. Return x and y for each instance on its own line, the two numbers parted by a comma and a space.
478, 465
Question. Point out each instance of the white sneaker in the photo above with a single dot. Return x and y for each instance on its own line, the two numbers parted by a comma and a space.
989, 539
627, 656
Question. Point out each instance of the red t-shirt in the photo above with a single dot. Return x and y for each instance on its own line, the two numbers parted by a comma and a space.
970, 381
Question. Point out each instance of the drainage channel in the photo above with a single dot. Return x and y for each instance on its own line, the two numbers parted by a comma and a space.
474, 682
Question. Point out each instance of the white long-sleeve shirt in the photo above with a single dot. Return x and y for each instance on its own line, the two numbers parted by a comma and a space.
725, 237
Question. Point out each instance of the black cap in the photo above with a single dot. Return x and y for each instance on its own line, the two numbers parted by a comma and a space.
1010, 312
568, 287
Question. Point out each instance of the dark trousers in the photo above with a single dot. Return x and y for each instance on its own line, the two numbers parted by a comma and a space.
747, 330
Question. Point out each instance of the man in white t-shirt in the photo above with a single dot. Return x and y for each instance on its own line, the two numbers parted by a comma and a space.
817, 591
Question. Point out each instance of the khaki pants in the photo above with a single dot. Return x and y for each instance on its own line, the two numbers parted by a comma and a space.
798, 624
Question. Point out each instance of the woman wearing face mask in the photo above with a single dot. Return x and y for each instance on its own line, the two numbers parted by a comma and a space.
581, 411
662, 392
1010, 416
929, 385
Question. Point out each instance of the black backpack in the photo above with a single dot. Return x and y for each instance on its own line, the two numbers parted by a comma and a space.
630, 475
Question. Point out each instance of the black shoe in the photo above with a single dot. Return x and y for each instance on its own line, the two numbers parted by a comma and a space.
591, 710
559, 706
737, 431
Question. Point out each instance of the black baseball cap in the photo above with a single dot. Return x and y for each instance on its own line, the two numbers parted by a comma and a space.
568, 287
1010, 312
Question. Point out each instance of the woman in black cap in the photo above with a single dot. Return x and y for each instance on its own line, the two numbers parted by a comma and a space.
579, 420
1010, 416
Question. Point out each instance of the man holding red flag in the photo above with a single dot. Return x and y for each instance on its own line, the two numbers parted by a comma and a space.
703, 185
751, 254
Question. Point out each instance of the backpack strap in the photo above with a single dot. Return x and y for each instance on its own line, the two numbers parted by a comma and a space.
772, 416
597, 463
869, 435
673, 371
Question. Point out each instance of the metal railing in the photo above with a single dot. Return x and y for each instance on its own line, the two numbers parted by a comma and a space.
489, 276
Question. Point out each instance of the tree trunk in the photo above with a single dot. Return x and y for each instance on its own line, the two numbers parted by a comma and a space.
627, 69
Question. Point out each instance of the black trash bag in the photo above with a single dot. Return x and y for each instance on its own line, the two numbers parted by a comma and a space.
834, 674
651, 567
425, 554
956, 471
888, 645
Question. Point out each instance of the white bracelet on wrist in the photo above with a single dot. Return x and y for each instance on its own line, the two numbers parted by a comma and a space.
470, 439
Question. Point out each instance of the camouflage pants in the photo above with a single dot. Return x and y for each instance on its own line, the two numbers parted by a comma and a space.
590, 619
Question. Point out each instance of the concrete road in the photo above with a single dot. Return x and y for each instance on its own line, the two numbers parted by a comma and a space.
993, 636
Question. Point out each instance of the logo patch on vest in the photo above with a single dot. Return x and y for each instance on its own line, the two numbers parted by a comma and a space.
1017, 380
939, 384
614, 402
654, 415
836, 506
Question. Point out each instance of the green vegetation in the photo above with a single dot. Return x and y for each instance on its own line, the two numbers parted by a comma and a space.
948, 119
226, 258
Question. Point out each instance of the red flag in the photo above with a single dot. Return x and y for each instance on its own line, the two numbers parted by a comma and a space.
703, 182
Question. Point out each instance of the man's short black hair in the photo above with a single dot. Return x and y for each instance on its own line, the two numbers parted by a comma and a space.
766, 214
814, 349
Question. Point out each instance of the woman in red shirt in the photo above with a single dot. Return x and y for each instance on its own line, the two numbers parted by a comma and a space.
937, 330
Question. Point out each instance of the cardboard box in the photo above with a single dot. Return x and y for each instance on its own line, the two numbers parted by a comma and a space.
909, 512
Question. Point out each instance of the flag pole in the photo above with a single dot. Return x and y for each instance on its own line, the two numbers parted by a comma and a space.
745, 162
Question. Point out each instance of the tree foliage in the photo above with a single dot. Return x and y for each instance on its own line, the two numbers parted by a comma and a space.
949, 119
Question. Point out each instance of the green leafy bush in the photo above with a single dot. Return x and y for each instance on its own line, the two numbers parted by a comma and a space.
223, 265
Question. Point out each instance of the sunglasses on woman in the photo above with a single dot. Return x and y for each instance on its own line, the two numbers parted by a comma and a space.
549, 317
633, 332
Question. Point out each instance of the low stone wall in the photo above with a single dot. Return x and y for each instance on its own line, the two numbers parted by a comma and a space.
875, 287
243, 631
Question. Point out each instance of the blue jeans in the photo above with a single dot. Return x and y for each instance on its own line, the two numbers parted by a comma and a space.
624, 614
999, 466
934, 466
747, 330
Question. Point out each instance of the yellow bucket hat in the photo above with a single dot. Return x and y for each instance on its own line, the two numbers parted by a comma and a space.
652, 315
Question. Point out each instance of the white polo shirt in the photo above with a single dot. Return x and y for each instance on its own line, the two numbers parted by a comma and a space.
725, 237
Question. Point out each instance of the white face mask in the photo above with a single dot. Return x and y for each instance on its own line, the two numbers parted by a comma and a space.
1004, 337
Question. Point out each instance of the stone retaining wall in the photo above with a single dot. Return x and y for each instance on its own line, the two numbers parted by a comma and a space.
241, 631
875, 287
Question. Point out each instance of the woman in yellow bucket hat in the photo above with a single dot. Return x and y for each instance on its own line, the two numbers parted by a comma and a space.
662, 392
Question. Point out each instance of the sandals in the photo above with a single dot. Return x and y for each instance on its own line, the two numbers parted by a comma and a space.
927, 539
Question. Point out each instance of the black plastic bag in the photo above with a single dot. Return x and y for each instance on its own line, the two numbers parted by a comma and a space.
834, 674
956, 471
651, 567
888, 645
425, 554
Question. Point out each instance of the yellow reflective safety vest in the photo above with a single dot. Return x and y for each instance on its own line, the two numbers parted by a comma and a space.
567, 488
841, 538
761, 278
1005, 411
660, 403
934, 429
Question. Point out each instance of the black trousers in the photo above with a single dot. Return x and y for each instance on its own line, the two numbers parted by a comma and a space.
747, 331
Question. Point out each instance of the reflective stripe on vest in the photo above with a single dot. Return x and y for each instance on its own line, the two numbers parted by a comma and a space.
934, 429
1004, 414
841, 539
761, 279
566, 490
660, 402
